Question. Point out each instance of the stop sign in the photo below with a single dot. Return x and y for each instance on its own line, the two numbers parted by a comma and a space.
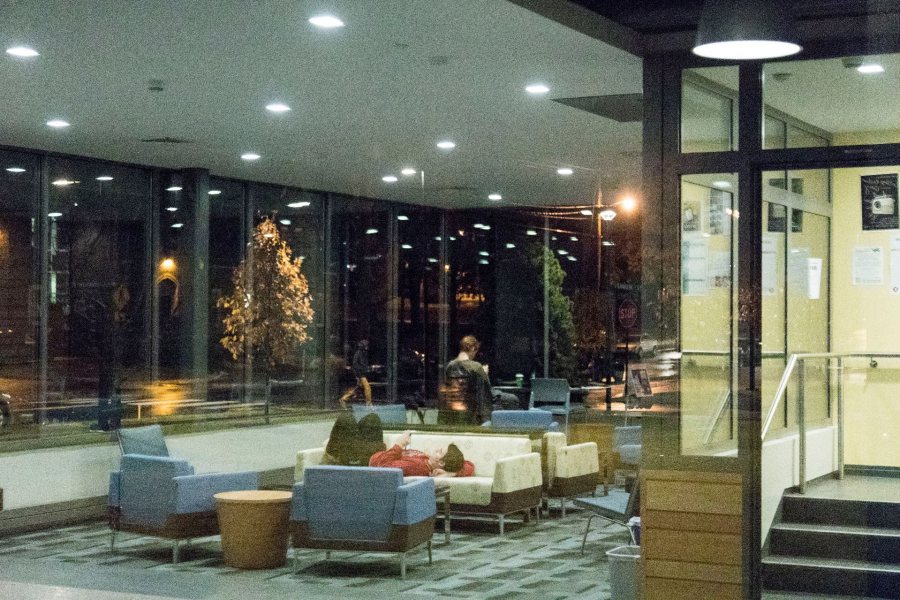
627, 313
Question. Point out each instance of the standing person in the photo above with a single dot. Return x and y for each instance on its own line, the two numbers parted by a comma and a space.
443, 462
465, 366
360, 366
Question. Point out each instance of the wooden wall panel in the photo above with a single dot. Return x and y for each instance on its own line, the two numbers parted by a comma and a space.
691, 542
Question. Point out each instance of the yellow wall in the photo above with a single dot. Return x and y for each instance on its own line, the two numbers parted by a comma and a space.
865, 319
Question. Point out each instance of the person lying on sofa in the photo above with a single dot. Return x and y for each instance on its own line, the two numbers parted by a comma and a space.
443, 462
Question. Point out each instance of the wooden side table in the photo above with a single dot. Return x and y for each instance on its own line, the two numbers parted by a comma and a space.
254, 528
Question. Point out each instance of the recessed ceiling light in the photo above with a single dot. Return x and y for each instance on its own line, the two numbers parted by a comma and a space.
278, 107
433, 260
174, 188
22, 52
722, 184
285, 221
484, 261
587, 212
608, 243
171, 208
63, 182
250, 156
437, 238
573, 238
870, 68
446, 145
510, 246
531, 232
406, 246
407, 171
537, 88
371, 231
214, 192
326, 21
389, 179
484, 253
452, 238
562, 252
15, 169
572, 258
478, 225
564, 171
177, 225
57, 123
495, 197
105, 178
402, 218
298, 204
53, 215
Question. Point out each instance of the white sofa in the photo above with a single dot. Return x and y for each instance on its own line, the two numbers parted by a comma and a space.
507, 477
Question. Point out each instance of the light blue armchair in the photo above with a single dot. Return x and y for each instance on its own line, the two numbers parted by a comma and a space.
523, 420
161, 496
362, 509
388, 413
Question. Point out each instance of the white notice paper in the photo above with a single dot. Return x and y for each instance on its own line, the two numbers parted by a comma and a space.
694, 261
895, 264
868, 265
814, 278
769, 273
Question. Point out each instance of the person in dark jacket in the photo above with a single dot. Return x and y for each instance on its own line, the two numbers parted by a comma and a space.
360, 366
352, 443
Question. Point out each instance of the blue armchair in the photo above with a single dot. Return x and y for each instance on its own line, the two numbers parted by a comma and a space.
522, 419
161, 496
365, 509
555, 397
388, 413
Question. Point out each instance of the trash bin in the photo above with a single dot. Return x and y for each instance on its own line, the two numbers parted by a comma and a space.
624, 572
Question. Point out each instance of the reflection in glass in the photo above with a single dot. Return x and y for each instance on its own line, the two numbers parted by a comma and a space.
709, 104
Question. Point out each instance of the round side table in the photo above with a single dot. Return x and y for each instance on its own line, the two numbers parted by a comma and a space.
254, 528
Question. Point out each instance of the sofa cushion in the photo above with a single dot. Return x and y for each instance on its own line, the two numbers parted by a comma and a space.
481, 450
469, 490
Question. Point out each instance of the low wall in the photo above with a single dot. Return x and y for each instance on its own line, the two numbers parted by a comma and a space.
72, 482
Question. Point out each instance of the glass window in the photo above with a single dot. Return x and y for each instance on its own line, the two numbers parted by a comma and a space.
842, 100
708, 322
99, 294
19, 290
709, 108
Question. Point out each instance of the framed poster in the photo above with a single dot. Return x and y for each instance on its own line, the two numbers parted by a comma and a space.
777, 222
879, 202
719, 217
640, 383
691, 216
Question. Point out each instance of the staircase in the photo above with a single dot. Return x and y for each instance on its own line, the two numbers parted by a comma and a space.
834, 546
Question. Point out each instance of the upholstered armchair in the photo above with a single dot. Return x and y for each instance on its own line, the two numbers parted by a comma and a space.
571, 471
365, 509
161, 496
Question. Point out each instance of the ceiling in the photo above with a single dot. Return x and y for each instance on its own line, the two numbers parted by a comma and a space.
366, 99
669, 16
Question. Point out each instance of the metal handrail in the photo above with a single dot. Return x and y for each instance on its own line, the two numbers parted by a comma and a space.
798, 362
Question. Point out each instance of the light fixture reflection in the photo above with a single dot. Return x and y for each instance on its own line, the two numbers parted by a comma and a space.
537, 89
174, 188
446, 145
564, 171
58, 123
389, 179
63, 182
285, 221
587, 212
177, 225
298, 205
406, 246
870, 69
495, 197
15, 169
250, 156
54, 215
607, 214
214, 192
531, 232
278, 107
371, 231
408, 171
402, 218
172, 208
510, 246
105, 178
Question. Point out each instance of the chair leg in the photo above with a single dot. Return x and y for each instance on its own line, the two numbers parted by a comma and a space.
537, 512
502, 519
112, 541
296, 559
403, 566
527, 517
175, 552
429, 552
328, 555
562, 507
586, 529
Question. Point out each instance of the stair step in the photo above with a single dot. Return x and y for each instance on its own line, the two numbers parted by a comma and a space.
840, 529
830, 575
797, 508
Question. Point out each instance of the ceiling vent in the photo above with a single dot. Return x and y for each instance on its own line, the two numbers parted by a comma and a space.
167, 140
624, 108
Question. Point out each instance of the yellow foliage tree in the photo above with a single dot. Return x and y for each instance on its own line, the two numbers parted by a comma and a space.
267, 315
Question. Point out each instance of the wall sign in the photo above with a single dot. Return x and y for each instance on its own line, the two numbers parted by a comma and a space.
868, 265
879, 202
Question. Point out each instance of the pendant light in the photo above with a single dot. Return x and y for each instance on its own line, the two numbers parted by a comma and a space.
746, 30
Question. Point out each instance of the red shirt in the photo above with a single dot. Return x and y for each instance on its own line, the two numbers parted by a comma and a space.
413, 463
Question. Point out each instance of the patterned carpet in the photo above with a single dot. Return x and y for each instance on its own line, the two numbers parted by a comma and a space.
531, 560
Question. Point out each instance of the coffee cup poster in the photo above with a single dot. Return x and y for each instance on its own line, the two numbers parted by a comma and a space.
879, 202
